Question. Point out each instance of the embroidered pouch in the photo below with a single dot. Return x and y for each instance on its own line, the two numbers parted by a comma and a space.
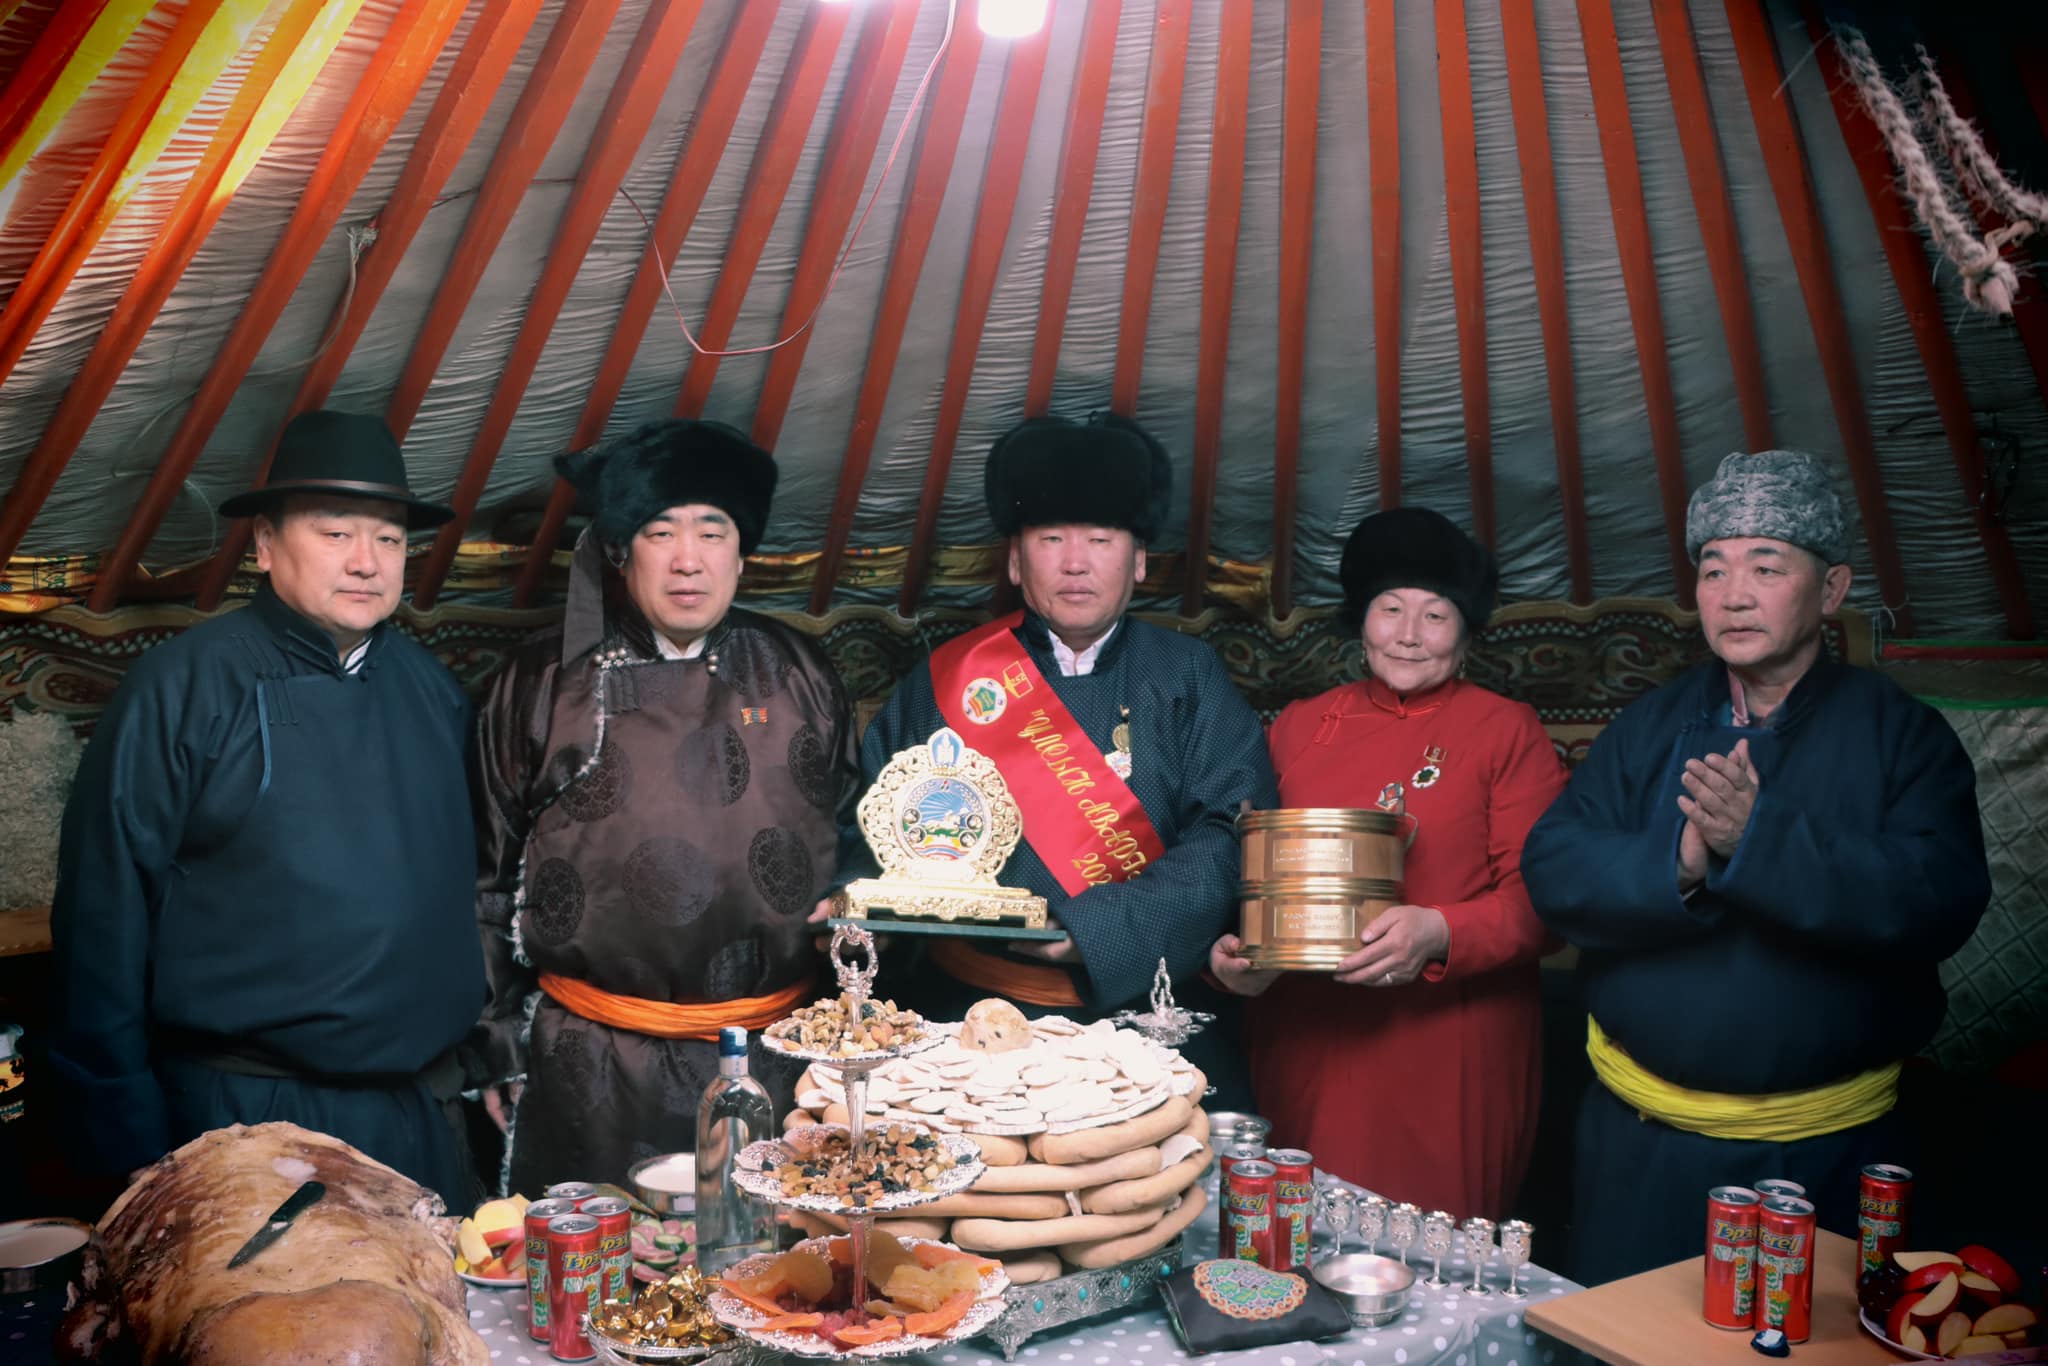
1227, 1306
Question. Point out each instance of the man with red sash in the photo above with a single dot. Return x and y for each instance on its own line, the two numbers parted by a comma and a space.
659, 786
1125, 745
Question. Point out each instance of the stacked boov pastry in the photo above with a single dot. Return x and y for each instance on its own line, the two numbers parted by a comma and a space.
1094, 1138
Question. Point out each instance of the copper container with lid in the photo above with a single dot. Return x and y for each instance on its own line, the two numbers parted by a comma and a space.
1323, 841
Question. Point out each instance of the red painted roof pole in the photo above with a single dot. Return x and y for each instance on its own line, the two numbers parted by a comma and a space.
1468, 255
1297, 250
383, 93
1763, 78
717, 110
87, 213
1383, 147
1701, 145
451, 123
1021, 81
1546, 260
856, 130
1158, 132
1078, 148
628, 112
776, 154
938, 143
1224, 212
1638, 277
23, 89
544, 102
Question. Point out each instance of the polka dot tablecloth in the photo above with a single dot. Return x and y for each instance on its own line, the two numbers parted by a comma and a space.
1440, 1328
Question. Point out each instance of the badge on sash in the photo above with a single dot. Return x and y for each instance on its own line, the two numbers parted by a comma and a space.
983, 700
1390, 799
1432, 767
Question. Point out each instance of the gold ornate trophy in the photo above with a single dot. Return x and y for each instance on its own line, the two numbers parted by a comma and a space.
940, 820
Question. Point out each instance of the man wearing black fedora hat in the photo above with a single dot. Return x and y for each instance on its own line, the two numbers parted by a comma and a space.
659, 784
262, 909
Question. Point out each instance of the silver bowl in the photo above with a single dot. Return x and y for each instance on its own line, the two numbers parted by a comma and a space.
659, 1200
41, 1254
1373, 1289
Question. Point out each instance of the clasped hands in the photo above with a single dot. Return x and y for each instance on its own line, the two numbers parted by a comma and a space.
1393, 949
1720, 794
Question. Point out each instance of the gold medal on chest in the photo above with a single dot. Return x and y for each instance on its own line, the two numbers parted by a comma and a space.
1432, 767
1119, 757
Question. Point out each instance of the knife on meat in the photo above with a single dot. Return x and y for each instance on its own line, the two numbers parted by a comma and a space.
300, 1200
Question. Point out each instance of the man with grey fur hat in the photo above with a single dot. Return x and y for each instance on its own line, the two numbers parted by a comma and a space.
1762, 864
659, 784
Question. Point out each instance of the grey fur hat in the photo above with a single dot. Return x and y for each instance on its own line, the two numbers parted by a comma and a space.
1778, 495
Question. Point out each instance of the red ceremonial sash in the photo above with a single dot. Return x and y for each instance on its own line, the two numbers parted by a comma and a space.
1079, 816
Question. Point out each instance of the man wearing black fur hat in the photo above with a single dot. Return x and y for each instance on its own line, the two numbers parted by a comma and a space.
262, 906
659, 785
1133, 845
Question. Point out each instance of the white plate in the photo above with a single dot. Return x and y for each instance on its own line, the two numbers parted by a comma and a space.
1876, 1330
487, 1283
744, 1318
934, 1035
757, 1162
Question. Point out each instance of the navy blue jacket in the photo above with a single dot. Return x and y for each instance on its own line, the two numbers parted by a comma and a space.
1812, 954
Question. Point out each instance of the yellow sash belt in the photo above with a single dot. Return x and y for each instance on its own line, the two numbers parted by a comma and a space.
1781, 1117
673, 1019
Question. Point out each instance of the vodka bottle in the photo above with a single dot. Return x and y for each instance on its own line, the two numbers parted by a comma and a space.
731, 1224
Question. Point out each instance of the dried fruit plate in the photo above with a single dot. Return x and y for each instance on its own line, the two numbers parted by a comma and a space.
745, 1318
758, 1164
934, 1035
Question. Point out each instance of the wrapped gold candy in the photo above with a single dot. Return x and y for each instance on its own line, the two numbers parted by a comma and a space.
675, 1313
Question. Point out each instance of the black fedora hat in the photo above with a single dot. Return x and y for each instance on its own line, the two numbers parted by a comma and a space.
350, 454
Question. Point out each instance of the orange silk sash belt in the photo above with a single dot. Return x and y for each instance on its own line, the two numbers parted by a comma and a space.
673, 1019
1030, 983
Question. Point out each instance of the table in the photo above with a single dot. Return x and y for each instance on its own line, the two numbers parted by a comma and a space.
1654, 1319
1441, 1328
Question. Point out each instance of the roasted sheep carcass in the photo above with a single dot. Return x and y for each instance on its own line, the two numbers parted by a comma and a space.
365, 1275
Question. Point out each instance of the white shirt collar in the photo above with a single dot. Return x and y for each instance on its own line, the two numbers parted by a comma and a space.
352, 662
670, 650
1076, 665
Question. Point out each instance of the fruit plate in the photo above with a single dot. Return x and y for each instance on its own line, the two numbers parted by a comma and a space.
757, 1164
494, 1282
934, 1035
1876, 1330
744, 1318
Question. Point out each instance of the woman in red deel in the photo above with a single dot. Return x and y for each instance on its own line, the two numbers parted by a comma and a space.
1414, 1069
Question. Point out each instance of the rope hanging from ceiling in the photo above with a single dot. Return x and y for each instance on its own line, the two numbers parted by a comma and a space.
1989, 281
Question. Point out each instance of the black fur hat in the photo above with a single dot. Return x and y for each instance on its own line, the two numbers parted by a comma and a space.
1413, 547
628, 481
1107, 471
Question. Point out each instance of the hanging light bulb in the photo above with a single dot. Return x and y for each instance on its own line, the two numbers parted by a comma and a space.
1012, 18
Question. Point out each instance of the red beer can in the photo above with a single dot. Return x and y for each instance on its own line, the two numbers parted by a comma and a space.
1248, 1212
1294, 1208
1784, 1258
575, 1192
575, 1284
1778, 1185
1731, 1256
1882, 1202
614, 1243
1227, 1156
538, 1215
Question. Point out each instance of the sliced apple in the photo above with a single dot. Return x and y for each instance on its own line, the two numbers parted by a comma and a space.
2016, 1339
469, 1241
1927, 1277
499, 1214
1913, 1261
505, 1237
1914, 1339
1989, 1264
1952, 1330
1982, 1289
1901, 1315
1941, 1297
2006, 1318
1977, 1344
